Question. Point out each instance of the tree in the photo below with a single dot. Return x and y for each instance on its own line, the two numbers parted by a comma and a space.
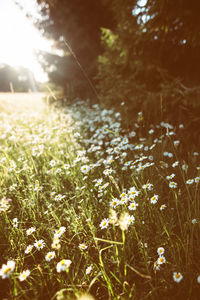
19, 79
75, 28
153, 49
173, 34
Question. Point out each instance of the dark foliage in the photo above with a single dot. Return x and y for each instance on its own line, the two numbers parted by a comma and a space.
148, 57
75, 27
152, 47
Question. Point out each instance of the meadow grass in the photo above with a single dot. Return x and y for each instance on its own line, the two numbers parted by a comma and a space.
91, 207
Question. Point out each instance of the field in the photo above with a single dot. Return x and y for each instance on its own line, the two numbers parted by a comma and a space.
21, 101
93, 209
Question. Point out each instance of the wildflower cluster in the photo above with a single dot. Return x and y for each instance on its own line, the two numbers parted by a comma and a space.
4, 204
91, 201
161, 258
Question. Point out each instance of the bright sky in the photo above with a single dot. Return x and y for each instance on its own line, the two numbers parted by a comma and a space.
19, 38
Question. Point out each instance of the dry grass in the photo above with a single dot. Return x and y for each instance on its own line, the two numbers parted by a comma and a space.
21, 101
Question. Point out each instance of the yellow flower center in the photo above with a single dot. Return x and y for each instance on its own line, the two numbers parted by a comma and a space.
7, 270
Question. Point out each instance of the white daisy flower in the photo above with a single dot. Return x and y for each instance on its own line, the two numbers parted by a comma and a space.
148, 186
85, 169
133, 205
99, 182
131, 220
39, 244
82, 246
194, 221
88, 270
172, 184
160, 251
163, 206
170, 176
63, 265
138, 146
7, 269
161, 260
189, 181
175, 164
154, 199
15, 222
123, 200
156, 266
125, 220
124, 141
104, 223
132, 193
177, 276
52, 163
123, 195
114, 202
29, 249
24, 275
60, 231
107, 171
50, 255
151, 131
30, 230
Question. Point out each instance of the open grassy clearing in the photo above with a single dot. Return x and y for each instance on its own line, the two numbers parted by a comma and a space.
90, 207
21, 101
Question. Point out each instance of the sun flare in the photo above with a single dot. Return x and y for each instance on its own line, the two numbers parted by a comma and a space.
20, 39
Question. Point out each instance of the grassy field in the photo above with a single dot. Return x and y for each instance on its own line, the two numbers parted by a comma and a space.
88, 207
18, 102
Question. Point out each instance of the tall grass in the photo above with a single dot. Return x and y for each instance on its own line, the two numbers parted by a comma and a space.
90, 207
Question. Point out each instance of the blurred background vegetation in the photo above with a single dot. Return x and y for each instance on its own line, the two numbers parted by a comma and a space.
75, 26
136, 46
17, 79
144, 53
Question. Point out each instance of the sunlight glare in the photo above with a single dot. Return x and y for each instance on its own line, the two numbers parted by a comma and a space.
19, 39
